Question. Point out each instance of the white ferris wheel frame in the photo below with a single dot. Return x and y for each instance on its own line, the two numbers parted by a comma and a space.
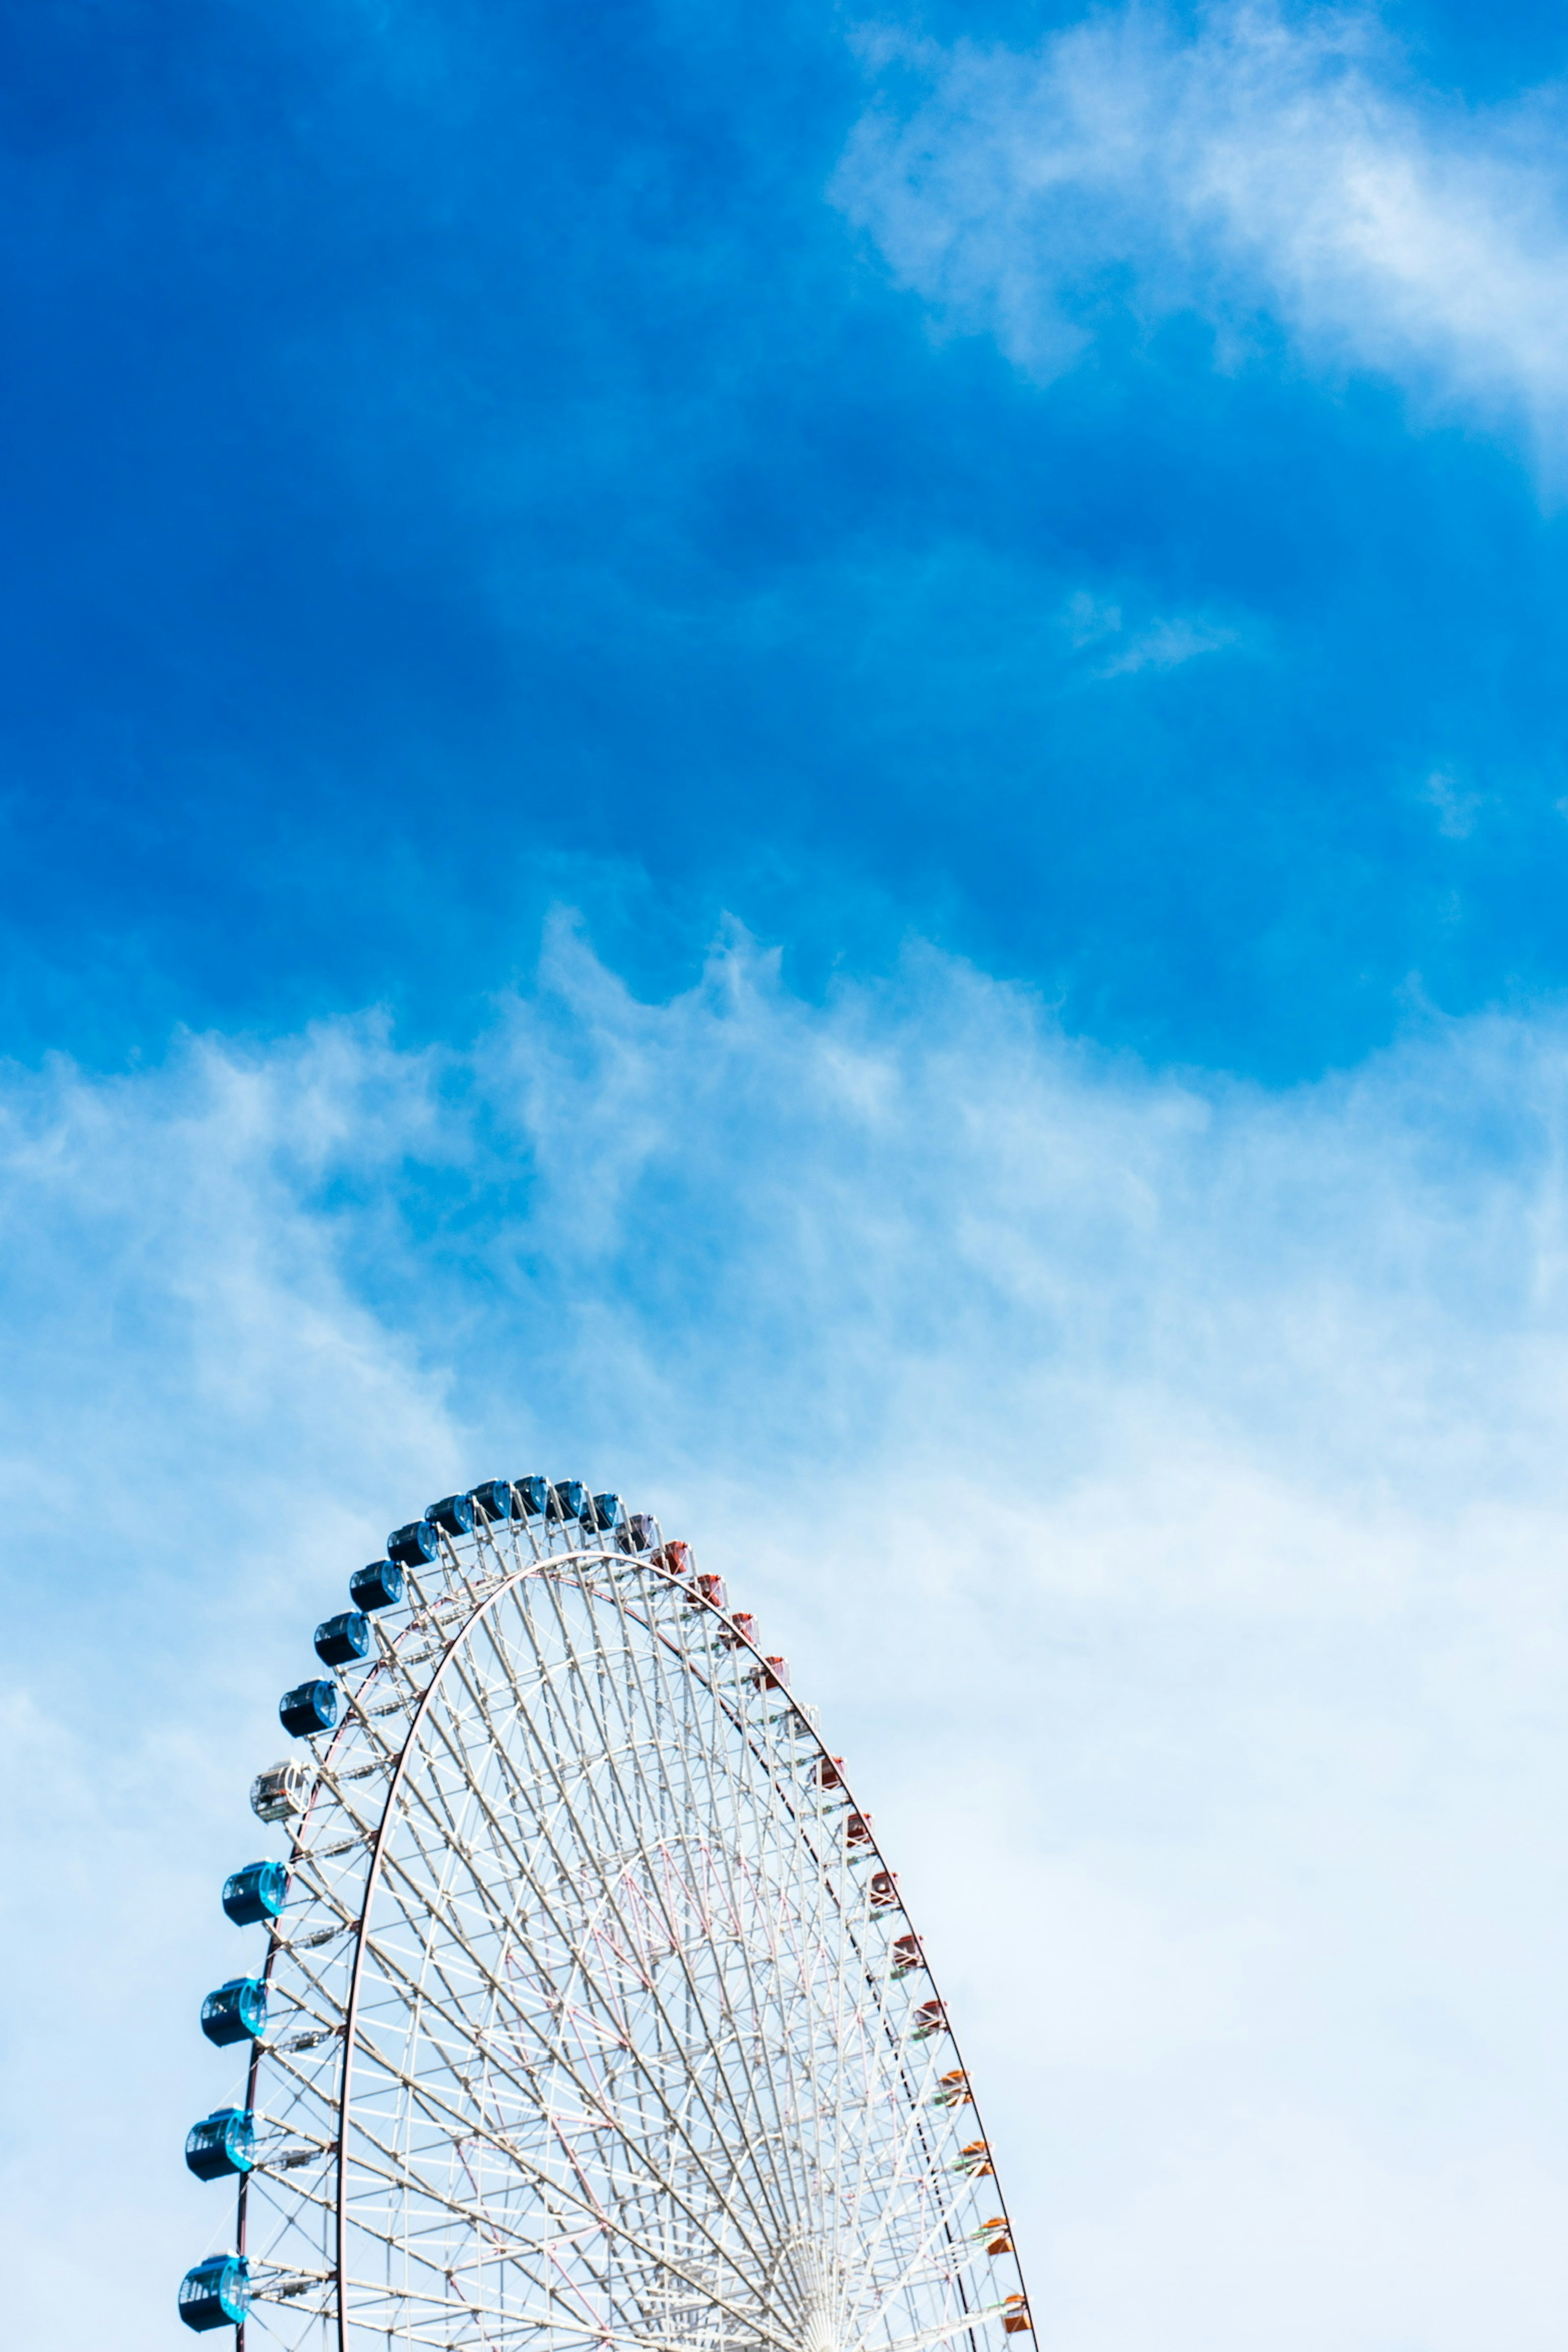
673, 2075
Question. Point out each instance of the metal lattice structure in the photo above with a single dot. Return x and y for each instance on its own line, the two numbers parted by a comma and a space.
592, 2015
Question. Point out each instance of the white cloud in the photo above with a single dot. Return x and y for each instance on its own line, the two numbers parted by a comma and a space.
1161, 1484
1263, 163
1457, 808
1165, 642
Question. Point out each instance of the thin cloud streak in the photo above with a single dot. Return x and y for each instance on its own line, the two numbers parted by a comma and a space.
1160, 1485
1267, 168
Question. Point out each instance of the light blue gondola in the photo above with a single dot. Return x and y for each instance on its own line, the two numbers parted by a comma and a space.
344, 1639
256, 1893
221, 2143
378, 1586
571, 1500
608, 1511
308, 1708
454, 1513
412, 1545
235, 2012
493, 1500
532, 1496
216, 2294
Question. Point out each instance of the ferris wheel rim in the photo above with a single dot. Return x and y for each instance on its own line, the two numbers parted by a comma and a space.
556, 1568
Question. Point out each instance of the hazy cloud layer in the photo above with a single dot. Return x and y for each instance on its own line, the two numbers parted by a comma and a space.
1267, 166
1161, 1487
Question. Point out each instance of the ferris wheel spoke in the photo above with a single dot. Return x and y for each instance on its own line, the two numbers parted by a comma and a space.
825, 1911
560, 2056
454, 2017
788, 2190
686, 1799
438, 2261
458, 2123
610, 1824
758, 2001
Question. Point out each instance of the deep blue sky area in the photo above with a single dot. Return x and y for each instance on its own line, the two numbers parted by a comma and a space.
458, 457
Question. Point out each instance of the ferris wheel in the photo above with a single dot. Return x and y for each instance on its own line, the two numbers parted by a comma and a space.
589, 2014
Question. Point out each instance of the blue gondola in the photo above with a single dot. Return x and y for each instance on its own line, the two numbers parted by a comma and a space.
216, 2294
255, 1892
492, 1500
571, 1500
235, 2012
455, 1512
412, 1545
223, 2143
378, 1586
308, 1708
608, 1511
532, 1496
342, 1639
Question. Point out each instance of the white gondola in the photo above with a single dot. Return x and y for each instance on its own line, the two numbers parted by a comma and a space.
282, 1791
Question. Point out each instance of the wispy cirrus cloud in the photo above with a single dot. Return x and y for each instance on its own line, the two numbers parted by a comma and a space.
1120, 646
1268, 166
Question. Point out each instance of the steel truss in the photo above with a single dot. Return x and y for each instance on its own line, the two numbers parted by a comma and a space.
588, 2025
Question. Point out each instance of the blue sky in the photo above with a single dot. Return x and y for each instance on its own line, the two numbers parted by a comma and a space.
815, 764
458, 457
